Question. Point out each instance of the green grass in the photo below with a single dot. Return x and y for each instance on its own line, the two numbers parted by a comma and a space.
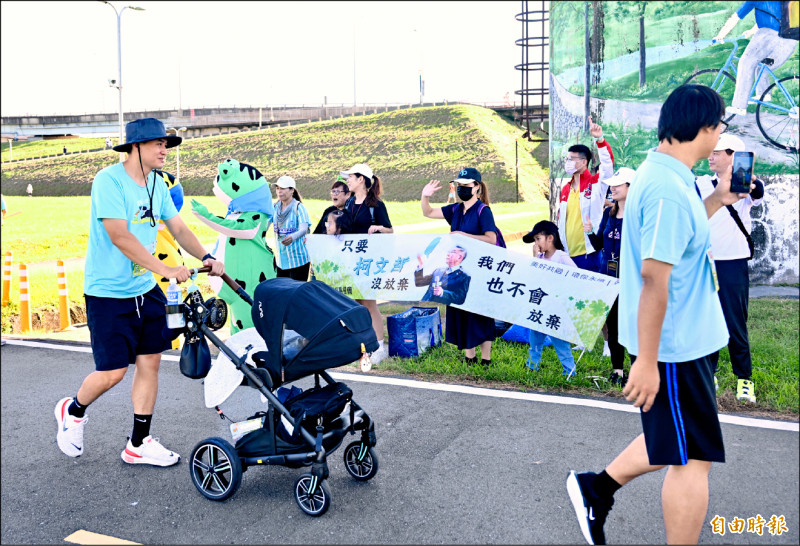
773, 326
38, 148
773, 329
406, 148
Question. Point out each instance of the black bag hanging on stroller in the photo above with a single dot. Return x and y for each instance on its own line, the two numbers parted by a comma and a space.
195, 359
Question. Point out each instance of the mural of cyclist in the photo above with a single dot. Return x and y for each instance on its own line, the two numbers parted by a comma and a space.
765, 43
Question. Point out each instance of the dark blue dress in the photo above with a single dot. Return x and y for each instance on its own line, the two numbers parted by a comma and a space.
463, 329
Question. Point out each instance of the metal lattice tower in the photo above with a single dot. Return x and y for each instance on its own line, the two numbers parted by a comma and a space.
535, 88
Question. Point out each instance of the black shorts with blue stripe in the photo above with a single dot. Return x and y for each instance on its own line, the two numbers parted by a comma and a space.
683, 423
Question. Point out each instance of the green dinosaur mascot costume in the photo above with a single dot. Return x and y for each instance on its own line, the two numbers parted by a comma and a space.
247, 258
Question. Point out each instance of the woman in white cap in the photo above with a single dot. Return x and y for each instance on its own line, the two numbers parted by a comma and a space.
368, 214
291, 227
608, 239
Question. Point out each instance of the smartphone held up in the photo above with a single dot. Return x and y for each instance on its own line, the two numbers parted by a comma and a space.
742, 175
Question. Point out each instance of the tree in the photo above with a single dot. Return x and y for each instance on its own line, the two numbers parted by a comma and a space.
626, 11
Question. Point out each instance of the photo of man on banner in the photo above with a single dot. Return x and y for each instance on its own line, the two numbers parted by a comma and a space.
447, 285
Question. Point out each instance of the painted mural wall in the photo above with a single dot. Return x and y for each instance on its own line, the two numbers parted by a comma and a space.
630, 56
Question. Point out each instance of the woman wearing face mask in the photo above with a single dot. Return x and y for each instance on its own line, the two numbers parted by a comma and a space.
464, 329
290, 226
608, 240
368, 215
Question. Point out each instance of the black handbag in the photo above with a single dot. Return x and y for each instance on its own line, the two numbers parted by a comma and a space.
195, 359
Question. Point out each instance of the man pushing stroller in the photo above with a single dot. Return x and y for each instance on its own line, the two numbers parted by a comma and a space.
125, 307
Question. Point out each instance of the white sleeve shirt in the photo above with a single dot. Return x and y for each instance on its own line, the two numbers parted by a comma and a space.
727, 240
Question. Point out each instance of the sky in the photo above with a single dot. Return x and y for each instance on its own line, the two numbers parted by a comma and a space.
57, 57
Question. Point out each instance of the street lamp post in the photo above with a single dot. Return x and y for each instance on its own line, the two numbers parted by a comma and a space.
118, 83
177, 152
418, 39
178, 156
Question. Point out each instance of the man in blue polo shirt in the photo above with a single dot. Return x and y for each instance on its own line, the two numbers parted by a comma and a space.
125, 307
668, 288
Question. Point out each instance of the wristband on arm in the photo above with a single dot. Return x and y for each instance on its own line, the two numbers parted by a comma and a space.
207, 257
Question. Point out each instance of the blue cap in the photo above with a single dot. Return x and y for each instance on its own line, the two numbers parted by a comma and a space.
467, 175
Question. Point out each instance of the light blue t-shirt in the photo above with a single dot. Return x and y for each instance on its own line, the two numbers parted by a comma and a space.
296, 254
109, 273
666, 220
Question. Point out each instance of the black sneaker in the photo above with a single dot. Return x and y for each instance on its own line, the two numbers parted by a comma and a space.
617, 380
591, 510
470, 361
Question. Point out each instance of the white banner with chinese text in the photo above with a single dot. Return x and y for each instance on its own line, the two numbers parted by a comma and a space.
562, 301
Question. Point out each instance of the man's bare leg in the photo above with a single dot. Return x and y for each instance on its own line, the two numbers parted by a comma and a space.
684, 501
632, 462
145, 383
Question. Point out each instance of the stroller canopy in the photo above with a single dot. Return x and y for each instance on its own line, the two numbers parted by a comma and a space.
333, 325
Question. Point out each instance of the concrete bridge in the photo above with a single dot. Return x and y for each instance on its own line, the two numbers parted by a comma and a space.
198, 121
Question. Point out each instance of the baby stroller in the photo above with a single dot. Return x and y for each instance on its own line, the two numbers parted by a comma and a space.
307, 328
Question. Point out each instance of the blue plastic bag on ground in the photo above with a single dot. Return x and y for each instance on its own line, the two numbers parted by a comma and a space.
413, 331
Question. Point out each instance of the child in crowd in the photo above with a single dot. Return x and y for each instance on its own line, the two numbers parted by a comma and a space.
547, 246
337, 222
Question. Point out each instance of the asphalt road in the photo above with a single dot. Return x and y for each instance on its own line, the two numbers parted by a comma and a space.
455, 468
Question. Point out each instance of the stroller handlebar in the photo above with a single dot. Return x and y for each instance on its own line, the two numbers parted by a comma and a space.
228, 280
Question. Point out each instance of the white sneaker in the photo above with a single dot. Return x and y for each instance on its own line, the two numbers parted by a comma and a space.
732, 110
150, 452
579, 347
70, 429
606, 350
379, 355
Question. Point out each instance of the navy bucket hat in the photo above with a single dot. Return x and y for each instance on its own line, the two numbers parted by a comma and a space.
145, 130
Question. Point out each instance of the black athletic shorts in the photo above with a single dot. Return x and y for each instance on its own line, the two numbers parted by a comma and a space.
122, 328
683, 424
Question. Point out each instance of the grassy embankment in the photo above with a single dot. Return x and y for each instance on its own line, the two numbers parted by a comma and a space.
22, 149
406, 148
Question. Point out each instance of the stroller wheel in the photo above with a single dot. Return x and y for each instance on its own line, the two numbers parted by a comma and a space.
364, 469
316, 503
216, 469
